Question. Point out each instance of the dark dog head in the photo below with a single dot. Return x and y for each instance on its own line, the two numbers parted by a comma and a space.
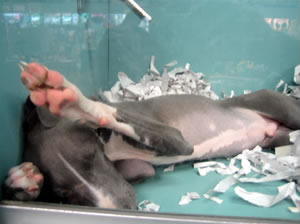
71, 158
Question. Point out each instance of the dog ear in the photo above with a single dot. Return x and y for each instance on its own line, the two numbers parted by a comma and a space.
47, 119
134, 170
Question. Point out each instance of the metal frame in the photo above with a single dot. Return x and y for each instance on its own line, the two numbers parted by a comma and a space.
42, 213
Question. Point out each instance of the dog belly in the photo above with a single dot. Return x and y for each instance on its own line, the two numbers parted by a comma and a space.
222, 134
213, 135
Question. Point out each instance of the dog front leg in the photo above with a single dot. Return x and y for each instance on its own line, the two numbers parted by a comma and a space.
51, 89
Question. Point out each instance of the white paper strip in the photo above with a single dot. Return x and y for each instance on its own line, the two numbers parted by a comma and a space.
184, 200
294, 135
209, 163
148, 206
215, 199
281, 82
152, 68
225, 184
283, 151
295, 198
279, 176
297, 75
265, 200
169, 168
204, 171
188, 197
193, 195
294, 209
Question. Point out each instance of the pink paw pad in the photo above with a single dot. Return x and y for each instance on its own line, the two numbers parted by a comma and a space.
57, 99
38, 97
54, 79
46, 87
26, 177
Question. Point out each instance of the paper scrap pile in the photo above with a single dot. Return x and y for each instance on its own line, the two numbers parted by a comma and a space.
266, 167
177, 81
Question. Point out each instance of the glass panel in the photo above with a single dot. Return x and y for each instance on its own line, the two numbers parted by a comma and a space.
55, 34
238, 45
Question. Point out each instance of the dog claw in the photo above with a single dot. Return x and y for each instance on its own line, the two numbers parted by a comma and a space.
24, 63
45, 68
21, 67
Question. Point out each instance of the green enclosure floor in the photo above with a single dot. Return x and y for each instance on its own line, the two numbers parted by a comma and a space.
166, 189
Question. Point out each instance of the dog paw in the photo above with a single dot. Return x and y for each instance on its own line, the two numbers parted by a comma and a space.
47, 87
24, 183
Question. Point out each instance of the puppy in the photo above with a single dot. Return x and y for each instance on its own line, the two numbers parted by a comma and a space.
87, 150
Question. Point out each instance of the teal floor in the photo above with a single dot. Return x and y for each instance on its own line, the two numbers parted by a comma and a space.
166, 189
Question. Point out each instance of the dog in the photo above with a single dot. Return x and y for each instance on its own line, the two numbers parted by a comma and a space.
87, 152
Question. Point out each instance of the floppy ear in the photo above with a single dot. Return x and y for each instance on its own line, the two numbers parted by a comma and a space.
134, 170
47, 119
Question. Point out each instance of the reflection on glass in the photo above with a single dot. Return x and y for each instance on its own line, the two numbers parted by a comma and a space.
145, 24
21, 27
278, 24
35, 19
84, 17
25, 20
66, 18
285, 25
12, 18
75, 18
118, 18
52, 18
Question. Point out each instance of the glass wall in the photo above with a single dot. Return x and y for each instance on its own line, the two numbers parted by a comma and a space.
238, 45
55, 34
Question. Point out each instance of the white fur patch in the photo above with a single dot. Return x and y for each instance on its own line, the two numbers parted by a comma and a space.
102, 200
117, 149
